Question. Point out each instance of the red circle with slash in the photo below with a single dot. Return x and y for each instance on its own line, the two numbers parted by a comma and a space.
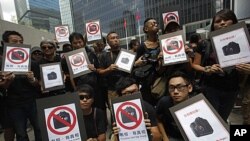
62, 121
15, 53
120, 110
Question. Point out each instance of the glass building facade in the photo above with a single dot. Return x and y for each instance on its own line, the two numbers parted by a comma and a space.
66, 14
113, 12
40, 14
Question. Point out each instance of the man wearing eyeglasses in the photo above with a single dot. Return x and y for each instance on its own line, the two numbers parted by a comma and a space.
179, 88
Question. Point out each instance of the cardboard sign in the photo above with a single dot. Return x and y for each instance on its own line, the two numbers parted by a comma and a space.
60, 118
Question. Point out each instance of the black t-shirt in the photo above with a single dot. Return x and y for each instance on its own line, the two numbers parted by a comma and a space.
165, 116
21, 91
228, 81
151, 113
95, 123
105, 61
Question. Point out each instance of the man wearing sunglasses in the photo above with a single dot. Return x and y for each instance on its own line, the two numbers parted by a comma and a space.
94, 118
36, 54
179, 88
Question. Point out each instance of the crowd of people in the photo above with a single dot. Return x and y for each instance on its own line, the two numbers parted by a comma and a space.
106, 81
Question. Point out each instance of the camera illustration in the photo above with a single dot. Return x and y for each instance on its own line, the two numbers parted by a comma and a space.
131, 111
231, 48
92, 28
77, 59
62, 31
63, 115
52, 76
201, 127
125, 60
173, 45
17, 55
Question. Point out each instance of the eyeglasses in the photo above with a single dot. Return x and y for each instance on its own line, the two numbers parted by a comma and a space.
180, 88
46, 47
87, 97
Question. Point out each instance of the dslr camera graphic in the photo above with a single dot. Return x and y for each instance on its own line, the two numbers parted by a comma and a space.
125, 60
52, 76
231, 48
173, 45
131, 111
201, 127
17, 55
92, 28
63, 115
77, 60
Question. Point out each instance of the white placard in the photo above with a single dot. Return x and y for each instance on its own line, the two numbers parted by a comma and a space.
93, 30
52, 76
62, 33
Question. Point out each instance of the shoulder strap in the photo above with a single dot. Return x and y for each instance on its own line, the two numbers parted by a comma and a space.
95, 122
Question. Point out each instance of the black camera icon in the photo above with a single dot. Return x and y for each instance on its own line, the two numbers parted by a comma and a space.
92, 28
52, 76
64, 116
77, 59
17, 55
171, 18
131, 111
125, 60
173, 45
231, 49
201, 127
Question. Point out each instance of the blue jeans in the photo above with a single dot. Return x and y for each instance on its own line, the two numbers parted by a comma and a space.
20, 115
222, 101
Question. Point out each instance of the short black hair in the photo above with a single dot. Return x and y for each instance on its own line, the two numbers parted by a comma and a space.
225, 14
67, 47
145, 23
7, 33
194, 38
123, 83
179, 74
86, 89
132, 43
111, 32
76, 35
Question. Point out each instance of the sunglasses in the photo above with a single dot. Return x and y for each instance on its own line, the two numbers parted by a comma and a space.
46, 47
37, 53
87, 97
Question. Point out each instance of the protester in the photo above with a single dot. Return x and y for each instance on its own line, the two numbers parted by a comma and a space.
94, 118
220, 86
147, 59
179, 87
127, 86
134, 45
20, 103
36, 54
108, 69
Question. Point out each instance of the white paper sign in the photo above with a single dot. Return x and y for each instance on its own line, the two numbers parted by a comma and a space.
62, 123
173, 50
93, 30
125, 60
17, 59
232, 48
62, 33
170, 16
78, 63
52, 76
200, 111
130, 119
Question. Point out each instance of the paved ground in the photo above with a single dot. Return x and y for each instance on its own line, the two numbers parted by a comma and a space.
235, 118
